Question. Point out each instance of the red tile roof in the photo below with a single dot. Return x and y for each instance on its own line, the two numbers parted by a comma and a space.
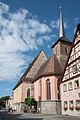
50, 67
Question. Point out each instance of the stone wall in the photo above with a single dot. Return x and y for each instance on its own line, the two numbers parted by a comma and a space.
51, 107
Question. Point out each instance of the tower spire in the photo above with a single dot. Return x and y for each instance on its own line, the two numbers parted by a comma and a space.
61, 26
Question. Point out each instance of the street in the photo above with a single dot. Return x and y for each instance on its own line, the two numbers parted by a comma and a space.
27, 116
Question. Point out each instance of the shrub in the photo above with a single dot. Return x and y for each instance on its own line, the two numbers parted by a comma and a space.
30, 102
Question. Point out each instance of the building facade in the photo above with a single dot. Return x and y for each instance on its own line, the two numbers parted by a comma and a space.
9, 103
20, 91
70, 86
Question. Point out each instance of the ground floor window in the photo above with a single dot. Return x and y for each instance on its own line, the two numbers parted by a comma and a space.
77, 107
71, 105
65, 105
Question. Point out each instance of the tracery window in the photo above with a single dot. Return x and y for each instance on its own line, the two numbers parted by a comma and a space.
48, 86
28, 92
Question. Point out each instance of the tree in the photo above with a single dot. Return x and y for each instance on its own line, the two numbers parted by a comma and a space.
30, 102
3, 101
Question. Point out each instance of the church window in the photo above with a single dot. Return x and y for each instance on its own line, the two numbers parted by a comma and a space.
76, 84
48, 86
64, 87
70, 86
40, 90
32, 90
28, 92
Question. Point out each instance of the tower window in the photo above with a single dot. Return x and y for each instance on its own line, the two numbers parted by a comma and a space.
66, 50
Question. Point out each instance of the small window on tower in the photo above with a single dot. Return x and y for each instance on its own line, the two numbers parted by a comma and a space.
66, 50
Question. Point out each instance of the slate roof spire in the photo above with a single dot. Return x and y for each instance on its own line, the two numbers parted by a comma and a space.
61, 25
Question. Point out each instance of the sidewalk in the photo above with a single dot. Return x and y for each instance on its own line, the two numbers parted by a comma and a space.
46, 117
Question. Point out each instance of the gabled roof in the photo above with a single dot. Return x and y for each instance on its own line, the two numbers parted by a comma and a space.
30, 65
26, 72
78, 29
50, 67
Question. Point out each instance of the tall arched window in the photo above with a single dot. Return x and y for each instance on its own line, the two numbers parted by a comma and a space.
48, 86
28, 92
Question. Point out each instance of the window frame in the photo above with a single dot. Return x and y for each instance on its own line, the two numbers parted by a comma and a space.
64, 90
69, 87
48, 89
76, 86
75, 69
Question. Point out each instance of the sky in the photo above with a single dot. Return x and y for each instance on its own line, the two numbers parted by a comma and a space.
26, 27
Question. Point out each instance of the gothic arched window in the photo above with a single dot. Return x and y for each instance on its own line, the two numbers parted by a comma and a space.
28, 92
48, 86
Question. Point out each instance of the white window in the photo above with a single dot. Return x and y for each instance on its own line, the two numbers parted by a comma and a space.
64, 87
77, 103
65, 105
75, 70
70, 87
76, 84
71, 105
77, 107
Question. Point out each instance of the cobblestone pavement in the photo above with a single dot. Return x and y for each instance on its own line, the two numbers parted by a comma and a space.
29, 116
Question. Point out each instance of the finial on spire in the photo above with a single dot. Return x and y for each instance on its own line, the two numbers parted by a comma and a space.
61, 25
60, 7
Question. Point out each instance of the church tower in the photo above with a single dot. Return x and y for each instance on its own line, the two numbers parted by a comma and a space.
62, 46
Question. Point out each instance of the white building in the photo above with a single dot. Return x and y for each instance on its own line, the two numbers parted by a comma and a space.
9, 103
70, 86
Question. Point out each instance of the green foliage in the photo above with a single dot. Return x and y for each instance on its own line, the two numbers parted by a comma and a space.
30, 102
3, 101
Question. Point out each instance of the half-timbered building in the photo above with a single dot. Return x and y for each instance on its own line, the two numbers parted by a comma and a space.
70, 86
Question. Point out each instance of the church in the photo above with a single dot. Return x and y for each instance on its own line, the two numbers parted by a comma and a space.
48, 78
42, 78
